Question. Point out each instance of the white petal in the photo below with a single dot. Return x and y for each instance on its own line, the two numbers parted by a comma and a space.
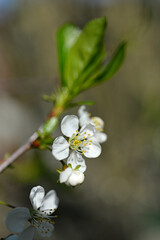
84, 118
60, 148
36, 196
12, 237
93, 150
69, 125
27, 234
44, 228
82, 110
98, 122
17, 219
101, 137
76, 178
87, 130
65, 175
50, 202
76, 159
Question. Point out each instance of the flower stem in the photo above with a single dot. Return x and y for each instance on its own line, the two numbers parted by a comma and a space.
6, 204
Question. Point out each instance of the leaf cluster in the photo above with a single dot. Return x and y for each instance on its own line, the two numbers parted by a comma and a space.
82, 56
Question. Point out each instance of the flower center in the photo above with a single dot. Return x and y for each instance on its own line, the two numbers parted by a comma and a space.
98, 124
75, 143
79, 142
42, 222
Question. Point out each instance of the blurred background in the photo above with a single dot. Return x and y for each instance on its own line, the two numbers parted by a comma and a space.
120, 198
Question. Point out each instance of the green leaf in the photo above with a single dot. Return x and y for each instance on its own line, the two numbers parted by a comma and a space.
87, 46
113, 66
50, 125
91, 72
66, 37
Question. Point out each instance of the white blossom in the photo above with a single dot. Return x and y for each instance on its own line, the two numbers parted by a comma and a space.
76, 160
25, 222
82, 141
84, 118
74, 173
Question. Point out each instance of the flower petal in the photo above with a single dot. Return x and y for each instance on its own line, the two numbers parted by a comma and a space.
76, 178
12, 237
87, 130
69, 125
65, 175
44, 228
17, 219
101, 137
93, 150
50, 202
27, 234
84, 118
82, 110
76, 159
98, 122
60, 148
36, 196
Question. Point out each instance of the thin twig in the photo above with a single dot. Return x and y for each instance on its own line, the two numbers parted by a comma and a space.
7, 161
6, 204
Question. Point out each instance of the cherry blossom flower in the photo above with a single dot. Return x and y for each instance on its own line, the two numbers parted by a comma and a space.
25, 222
76, 160
74, 172
84, 118
81, 141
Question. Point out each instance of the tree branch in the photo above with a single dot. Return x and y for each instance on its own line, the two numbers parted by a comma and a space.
5, 162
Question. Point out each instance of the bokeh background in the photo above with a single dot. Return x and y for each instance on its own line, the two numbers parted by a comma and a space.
120, 198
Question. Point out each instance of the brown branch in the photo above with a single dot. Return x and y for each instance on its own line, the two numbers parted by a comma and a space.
5, 162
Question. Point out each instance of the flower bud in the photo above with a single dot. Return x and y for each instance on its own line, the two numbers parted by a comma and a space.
71, 177
75, 178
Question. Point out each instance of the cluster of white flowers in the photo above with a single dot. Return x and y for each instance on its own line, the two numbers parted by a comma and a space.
83, 136
24, 222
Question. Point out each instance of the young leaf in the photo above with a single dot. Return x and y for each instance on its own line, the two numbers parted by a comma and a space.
66, 37
50, 125
88, 44
114, 64
90, 72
